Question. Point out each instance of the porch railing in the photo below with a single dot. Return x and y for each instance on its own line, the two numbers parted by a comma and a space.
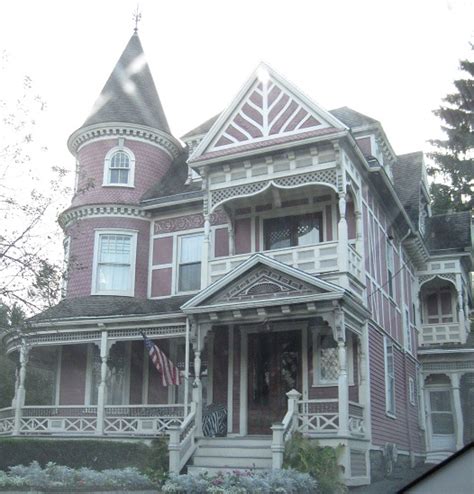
141, 419
432, 334
123, 420
318, 416
182, 442
7, 421
318, 258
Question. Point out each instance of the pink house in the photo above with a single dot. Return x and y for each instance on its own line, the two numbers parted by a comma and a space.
283, 257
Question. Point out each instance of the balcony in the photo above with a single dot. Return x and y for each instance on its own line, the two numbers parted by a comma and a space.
313, 259
439, 334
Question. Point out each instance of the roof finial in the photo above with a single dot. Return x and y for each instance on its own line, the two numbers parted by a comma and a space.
137, 15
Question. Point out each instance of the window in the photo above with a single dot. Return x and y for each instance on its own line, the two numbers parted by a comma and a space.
326, 360
292, 231
390, 268
411, 390
114, 265
439, 307
407, 330
441, 413
189, 271
389, 378
119, 167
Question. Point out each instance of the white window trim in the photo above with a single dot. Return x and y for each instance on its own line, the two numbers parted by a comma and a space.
317, 381
411, 390
407, 332
388, 411
440, 315
131, 171
177, 263
390, 255
133, 258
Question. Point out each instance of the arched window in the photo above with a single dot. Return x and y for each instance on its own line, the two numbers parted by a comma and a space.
119, 167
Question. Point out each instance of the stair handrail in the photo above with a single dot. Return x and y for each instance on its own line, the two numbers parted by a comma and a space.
182, 443
282, 432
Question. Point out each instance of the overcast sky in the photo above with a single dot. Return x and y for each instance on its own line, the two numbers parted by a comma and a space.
392, 60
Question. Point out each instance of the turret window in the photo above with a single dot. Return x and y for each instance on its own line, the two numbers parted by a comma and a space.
114, 263
119, 167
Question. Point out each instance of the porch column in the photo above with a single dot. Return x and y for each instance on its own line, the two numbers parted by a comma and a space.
364, 391
20, 391
197, 391
205, 252
101, 393
461, 317
455, 381
343, 389
342, 234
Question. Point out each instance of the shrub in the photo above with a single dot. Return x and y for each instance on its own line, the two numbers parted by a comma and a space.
242, 482
58, 477
97, 454
307, 456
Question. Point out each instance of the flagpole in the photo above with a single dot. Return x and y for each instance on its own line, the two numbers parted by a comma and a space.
186, 369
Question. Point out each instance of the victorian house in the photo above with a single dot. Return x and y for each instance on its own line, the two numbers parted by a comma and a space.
283, 257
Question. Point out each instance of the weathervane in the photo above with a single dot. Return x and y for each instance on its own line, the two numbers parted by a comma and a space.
137, 17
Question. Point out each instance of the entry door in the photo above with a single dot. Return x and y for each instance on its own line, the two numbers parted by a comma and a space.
442, 421
274, 368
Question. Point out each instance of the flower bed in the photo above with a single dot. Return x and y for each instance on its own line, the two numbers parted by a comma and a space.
57, 478
238, 482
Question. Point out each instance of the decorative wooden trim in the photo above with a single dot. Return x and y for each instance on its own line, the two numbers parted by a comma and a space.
103, 210
107, 131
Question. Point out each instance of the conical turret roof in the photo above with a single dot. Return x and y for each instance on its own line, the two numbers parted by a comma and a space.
129, 95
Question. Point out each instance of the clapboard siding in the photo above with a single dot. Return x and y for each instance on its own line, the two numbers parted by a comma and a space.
402, 429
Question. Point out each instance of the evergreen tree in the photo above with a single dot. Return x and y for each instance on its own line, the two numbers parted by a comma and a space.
453, 171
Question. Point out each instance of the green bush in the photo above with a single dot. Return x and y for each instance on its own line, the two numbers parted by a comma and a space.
96, 454
307, 456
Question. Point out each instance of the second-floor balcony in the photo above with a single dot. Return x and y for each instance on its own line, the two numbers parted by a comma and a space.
314, 259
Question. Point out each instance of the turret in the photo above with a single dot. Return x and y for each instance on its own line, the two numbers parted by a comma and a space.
123, 148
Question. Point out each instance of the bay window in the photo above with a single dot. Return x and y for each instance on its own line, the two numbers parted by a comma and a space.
114, 263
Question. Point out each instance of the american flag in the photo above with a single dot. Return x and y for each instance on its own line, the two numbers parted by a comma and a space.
169, 372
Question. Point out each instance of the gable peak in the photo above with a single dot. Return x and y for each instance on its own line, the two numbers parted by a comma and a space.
267, 108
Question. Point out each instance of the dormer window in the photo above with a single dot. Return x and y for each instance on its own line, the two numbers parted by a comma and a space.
119, 167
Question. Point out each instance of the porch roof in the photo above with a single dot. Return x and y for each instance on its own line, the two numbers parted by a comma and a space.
108, 306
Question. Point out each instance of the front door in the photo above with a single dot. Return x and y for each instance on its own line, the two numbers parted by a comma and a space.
442, 420
274, 368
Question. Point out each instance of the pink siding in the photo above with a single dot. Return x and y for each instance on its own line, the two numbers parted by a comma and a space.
242, 236
73, 375
351, 222
151, 163
82, 236
161, 282
365, 145
403, 429
328, 213
163, 250
221, 248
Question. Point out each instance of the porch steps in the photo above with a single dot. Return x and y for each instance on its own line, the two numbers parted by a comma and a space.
223, 454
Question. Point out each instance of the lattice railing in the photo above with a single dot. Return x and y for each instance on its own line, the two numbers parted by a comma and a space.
142, 419
318, 416
7, 420
355, 262
58, 420
432, 334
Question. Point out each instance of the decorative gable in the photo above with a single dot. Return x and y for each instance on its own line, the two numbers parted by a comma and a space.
262, 282
261, 278
266, 109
